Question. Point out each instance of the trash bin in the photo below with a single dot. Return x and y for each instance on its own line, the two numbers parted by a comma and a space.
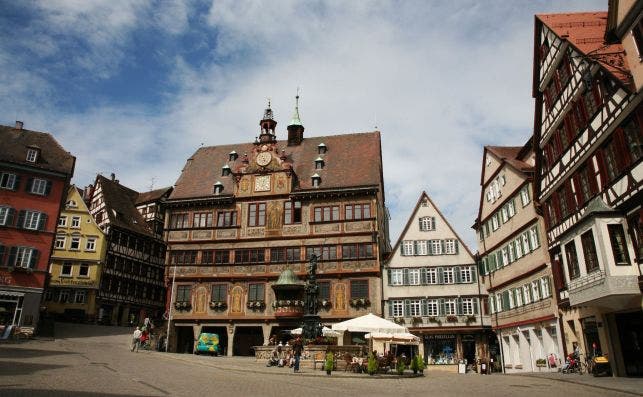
462, 368
483, 368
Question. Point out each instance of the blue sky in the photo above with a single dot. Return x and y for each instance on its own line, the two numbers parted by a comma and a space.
134, 87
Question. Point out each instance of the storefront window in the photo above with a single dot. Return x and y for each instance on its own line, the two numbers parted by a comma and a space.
440, 349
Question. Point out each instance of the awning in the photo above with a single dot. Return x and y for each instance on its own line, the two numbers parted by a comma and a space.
12, 294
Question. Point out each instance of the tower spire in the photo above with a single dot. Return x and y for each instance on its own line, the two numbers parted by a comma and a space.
268, 125
295, 128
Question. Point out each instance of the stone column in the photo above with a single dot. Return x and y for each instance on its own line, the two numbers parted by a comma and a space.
230, 340
266, 333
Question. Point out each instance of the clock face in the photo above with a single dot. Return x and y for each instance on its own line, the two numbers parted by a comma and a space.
264, 158
262, 183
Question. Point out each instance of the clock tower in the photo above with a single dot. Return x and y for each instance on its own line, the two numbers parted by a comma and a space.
268, 125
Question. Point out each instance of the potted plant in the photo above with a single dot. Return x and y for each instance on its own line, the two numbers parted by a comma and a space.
372, 364
452, 319
400, 366
417, 364
541, 362
329, 362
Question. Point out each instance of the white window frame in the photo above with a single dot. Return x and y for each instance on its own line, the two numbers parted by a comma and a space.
414, 276
518, 248
535, 290
23, 257
397, 277
32, 155
525, 243
447, 275
415, 308
432, 276
408, 247
450, 307
4, 214
64, 296
32, 219
533, 236
499, 302
61, 241
7, 180
90, 244
518, 293
75, 240
80, 296
544, 286
422, 247
526, 289
38, 186
70, 272
495, 224
504, 214
467, 306
75, 222
427, 223
436, 247
512, 304
62, 221
397, 307
433, 308
83, 266
511, 250
524, 196
465, 275
449, 246
505, 255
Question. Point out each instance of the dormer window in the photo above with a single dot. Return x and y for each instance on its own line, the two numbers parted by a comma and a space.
319, 163
225, 170
32, 155
316, 180
232, 156
321, 148
218, 187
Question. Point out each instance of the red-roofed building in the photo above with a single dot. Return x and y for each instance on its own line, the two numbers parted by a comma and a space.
242, 215
588, 138
35, 172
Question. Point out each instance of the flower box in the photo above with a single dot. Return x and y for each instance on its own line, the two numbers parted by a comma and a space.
452, 319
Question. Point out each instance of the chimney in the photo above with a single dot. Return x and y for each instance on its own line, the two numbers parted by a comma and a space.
113, 176
19, 125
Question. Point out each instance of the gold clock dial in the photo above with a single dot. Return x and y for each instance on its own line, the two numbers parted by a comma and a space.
262, 183
264, 158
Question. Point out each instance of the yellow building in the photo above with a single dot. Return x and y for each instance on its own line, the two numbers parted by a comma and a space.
76, 262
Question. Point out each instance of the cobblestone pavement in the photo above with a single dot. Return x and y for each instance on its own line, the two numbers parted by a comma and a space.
94, 360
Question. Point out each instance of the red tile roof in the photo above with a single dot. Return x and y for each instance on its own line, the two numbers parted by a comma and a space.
153, 195
53, 157
586, 32
510, 155
120, 208
351, 160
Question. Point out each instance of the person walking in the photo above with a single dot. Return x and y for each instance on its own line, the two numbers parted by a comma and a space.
136, 339
297, 348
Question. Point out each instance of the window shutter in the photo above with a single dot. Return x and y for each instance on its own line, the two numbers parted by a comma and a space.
459, 306
481, 265
425, 307
540, 289
456, 244
456, 274
16, 184
548, 281
420, 223
21, 219
12, 256
389, 304
440, 276
407, 308
442, 246
42, 222
29, 184
537, 236
424, 278
476, 309
442, 307
48, 188
416, 248
429, 247
35, 254
405, 276
433, 223
10, 215
474, 276
389, 276
505, 300
1, 255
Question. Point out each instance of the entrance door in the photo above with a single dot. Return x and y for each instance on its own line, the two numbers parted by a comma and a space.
184, 339
630, 332
469, 348
245, 338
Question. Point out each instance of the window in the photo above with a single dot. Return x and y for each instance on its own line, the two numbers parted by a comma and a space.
398, 308
66, 269
359, 289
427, 223
407, 247
397, 277
207, 257
512, 255
324, 290
633, 138
619, 246
226, 218
637, 35
80, 296
357, 211
415, 306
221, 257
518, 296
325, 253
326, 214
432, 276
432, 308
511, 208
526, 292
589, 251
183, 257
179, 221
249, 255
32, 155
450, 247
499, 302
421, 247
505, 255
83, 271
414, 276
39, 186
292, 212
495, 223
533, 238
524, 196
256, 292
535, 290
525, 242
257, 214
357, 251
183, 293
62, 221
450, 307
202, 219
504, 214
572, 260
75, 243
518, 246
32, 220
219, 293
60, 242
9, 181
75, 222
436, 247
447, 275
544, 287
467, 307
6, 216
25, 257
90, 245
465, 274
64, 296
225, 170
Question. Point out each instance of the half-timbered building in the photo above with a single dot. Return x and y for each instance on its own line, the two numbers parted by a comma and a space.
131, 284
431, 286
241, 215
588, 141
514, 262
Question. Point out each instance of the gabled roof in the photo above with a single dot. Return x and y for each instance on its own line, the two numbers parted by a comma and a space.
154, 195
52, 157
351, 160
585, 31
120, 206
412, 218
